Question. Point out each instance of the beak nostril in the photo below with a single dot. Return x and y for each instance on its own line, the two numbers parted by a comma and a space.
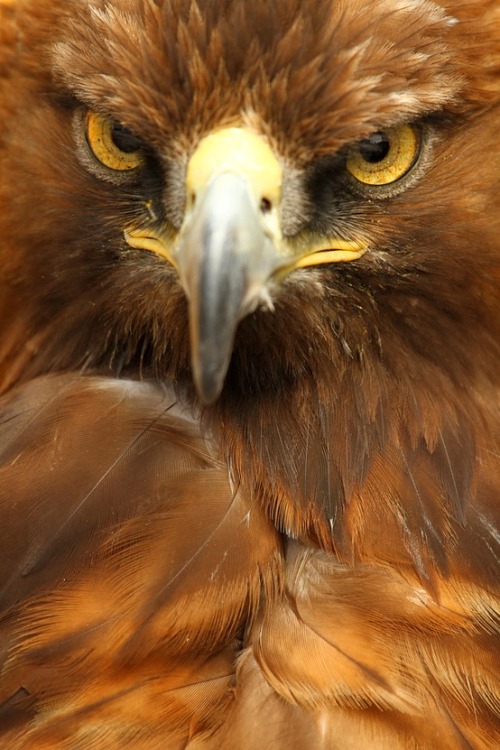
265, 205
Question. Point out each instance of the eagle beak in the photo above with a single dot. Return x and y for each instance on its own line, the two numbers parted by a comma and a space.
230, 248
225, 257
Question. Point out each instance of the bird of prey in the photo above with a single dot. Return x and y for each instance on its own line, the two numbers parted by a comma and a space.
249, 374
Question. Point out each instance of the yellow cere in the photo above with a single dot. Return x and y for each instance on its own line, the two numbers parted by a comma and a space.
99, 132
244, 153
241, 152
403, 143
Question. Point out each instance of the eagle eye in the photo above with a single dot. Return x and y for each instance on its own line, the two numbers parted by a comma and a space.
386, 156
113, 145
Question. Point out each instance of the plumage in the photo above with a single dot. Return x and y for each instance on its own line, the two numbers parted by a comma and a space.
249, 366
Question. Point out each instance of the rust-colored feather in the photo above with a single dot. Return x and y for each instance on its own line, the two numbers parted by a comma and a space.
126, 556
312, 561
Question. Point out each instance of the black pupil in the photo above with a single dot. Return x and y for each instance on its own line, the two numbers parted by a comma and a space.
124, 140
375, 148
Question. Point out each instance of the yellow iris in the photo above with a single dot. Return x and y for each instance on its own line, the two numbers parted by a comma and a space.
385, 156
101, 133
